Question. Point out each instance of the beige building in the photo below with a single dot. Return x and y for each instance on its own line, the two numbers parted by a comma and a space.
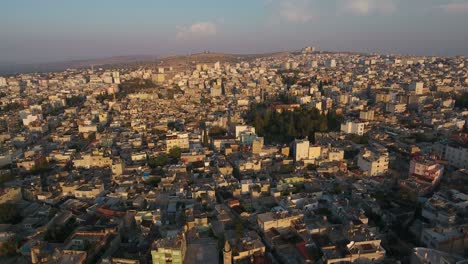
395, 108
277, 220
12, 194
247, 247
373, 162
89, 191
417, 88
301, 149
257, 145
355, 252
315, 152
367, 115
89, 161
180, 140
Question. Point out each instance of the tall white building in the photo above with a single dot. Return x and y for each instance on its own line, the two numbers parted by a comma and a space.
367, 115
417, 87
330, 63
240, 129
301, 149
456, 153
3, 81
351, 127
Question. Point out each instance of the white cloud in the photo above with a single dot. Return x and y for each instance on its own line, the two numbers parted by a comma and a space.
302, 11
296, 11
455, 7
199, 29
365, 7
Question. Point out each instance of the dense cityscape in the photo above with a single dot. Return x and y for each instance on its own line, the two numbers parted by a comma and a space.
299, 157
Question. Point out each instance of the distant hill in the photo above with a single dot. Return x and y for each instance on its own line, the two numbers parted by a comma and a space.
76, 64
209, 58
137, 60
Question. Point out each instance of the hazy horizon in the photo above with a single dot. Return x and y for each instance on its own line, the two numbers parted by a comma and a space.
55, 31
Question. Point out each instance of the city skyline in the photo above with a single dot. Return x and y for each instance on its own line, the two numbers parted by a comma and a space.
48, 31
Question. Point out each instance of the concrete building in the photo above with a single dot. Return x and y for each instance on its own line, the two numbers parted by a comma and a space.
227, 253
257, 145
425, 168
180, 140
417, 88
354, 252
89, 191
11, 194
395, 108
158, 78
300, 149
169, 250
367, 115
331, 63
90, 161
456, 153
244, 129
373, 162
3, 81
248, 247
315, 152
276, 220
352, 127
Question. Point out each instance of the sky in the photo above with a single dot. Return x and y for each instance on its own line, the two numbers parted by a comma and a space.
34, 31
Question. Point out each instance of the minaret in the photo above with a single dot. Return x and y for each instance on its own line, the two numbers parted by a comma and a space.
227, 253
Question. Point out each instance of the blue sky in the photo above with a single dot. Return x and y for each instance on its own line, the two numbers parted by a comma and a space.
53, 30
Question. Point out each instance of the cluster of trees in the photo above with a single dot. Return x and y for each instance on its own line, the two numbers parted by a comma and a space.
75, 101
60, 234
42, 166
162, 160
9, 214
11, 107
153, 181
9, 247
135, 85
110, 97
6, 177
175, 126
217, 131
461, 100
421, 137
363, 140
286, 126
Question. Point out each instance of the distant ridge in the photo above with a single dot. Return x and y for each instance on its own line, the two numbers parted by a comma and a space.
75, 64
166, 60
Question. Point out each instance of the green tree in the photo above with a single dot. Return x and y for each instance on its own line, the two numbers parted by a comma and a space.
217, 131
159, 161
461, 100
285, 126
9, 214
175, 153
9, 247
239, 229
153, 181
